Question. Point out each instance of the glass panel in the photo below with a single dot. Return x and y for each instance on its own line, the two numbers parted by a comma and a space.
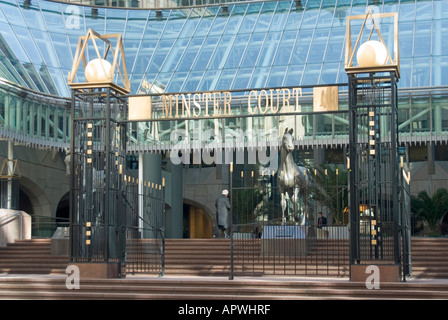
156, 24
439, 38
440, 9
265, 17
61, 44
237, 51
335, 48
33, 17
242, 78
421, 35
13, 14
146, 52
220, 54
310, 16
226, 79
233, 26
190, 54
341, 124
44, 43
205, 24
259, 77
219, 24
440, 113
160, 55
208, 80
174, 24
250, 18
301, 48
311, 74
174, 55
423, 9
420, 115
285, 48
253, 50
28, 44
407, 11
318, 46
193, 80
189, 26
176, 82
136, 22
294, 76
439, 71
95, 19
115, 21
276, 77
329, 73
405, 73
326, 15
420, 75
205, 53
163, 79
406, 32
404, 116
11, 45
294, 19
280, 16
269, 49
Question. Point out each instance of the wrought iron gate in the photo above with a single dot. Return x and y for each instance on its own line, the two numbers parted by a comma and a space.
145, 230
98, 157
379, 202
114, 217
264, 245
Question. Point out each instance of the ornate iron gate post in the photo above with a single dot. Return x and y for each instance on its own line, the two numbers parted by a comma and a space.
374, 206
375, 210
98, 151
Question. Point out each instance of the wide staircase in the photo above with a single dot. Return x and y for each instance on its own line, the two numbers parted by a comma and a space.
186, 259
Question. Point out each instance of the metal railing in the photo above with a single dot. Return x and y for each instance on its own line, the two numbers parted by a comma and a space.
265, 243
45, 226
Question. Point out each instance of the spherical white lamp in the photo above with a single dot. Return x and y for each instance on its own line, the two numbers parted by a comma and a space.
95, 72
371, 53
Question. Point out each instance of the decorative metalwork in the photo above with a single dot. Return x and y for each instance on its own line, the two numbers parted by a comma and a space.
108, 80
262, 245
391, 64
98, 156
378, 217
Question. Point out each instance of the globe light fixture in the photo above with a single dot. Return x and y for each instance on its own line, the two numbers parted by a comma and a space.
371, 53
97, 70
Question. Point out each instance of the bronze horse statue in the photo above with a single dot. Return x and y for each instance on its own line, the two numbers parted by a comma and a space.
294, 182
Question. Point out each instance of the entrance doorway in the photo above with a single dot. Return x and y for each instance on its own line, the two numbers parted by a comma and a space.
197, 224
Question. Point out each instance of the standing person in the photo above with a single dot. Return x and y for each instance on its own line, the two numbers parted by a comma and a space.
321, 220
222, 205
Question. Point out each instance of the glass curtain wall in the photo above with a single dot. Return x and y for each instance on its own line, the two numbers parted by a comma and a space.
240, 46
237, 46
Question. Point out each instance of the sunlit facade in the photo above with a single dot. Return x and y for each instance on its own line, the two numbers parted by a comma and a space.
185, 47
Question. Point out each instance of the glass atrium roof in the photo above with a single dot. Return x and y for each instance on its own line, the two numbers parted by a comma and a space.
237, 46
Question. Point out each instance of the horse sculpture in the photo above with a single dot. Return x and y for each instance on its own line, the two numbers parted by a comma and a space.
294, 182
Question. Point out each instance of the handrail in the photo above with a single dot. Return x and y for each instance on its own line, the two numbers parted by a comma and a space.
16, 213
12, 217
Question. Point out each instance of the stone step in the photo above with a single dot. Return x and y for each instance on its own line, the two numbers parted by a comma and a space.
213, 289
212, 257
